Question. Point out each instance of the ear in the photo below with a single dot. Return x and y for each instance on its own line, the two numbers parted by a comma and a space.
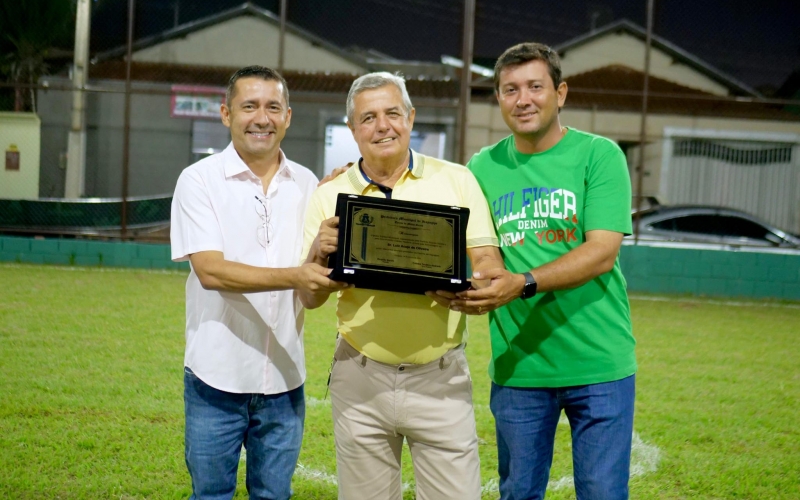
352, 129
562, 94
288, 117
225, 114
411, 115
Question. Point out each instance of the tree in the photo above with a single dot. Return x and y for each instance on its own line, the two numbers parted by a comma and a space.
29, 30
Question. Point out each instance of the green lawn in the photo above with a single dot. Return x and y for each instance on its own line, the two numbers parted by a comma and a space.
91, 385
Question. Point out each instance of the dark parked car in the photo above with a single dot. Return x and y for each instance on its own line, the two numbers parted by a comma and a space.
711, 225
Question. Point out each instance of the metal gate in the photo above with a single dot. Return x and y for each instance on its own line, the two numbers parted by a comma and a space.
756, 173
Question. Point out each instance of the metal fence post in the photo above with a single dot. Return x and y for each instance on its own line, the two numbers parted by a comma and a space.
126, 139
466, 78
643, 132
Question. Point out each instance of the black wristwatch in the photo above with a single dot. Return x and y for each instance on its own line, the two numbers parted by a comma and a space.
529, 290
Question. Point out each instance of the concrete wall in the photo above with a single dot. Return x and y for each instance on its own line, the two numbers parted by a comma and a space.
87, 253
711, 272
646, 269
161, 145
628, 50
23, 132
244, 41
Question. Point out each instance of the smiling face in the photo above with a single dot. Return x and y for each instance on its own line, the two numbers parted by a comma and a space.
258, 117
381, 126
529, 101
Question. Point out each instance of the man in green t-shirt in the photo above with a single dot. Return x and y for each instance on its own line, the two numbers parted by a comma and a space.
559, 317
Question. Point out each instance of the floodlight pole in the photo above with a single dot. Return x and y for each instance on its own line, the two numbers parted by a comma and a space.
126, 133
466, 77
282, 37
76, 139
643, 130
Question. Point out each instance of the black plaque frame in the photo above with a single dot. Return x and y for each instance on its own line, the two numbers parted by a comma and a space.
393, 279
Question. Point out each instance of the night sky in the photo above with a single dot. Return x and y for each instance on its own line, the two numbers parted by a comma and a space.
757, 42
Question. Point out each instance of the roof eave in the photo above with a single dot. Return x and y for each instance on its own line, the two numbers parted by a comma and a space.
665, 45
243, 9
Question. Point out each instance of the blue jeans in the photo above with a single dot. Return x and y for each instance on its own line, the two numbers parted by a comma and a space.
218, 423
601, 419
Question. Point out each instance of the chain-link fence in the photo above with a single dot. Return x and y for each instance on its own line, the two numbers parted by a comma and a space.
119, 134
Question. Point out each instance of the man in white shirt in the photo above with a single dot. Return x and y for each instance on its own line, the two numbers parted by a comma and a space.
237, 216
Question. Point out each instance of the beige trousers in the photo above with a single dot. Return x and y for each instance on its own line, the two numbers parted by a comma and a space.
376, 406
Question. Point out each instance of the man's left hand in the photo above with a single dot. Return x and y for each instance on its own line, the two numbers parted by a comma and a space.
336, 172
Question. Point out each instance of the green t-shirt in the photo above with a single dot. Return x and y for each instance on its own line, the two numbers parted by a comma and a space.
542, 205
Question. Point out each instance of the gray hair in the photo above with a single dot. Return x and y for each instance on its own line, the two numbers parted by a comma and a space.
375, 81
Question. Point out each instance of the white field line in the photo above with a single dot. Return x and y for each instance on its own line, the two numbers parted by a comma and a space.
644, 459
703, 301
315, 475
320, 476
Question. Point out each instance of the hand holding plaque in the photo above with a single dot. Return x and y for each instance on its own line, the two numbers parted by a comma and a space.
400, 246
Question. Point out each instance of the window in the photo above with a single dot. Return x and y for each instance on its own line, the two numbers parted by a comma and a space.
705, 224
208, 137
716, 225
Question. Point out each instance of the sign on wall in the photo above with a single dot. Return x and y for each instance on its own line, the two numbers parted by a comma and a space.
192, 101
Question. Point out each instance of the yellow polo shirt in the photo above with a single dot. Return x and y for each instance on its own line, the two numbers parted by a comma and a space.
394, 327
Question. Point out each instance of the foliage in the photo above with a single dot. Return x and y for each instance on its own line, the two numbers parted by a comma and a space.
29, 29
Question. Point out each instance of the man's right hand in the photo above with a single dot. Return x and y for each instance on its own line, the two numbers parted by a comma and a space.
313, 278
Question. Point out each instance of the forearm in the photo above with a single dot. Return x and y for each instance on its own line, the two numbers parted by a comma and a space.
483, 259
216, 273
311, 300
577, 267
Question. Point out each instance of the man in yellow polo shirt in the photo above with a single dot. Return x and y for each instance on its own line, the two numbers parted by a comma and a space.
399, 367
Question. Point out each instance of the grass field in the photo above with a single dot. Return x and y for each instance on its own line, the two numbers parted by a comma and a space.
91, 384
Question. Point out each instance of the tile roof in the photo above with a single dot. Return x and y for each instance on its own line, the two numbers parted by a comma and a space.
610, 88
336, 83
618, 87
677, 53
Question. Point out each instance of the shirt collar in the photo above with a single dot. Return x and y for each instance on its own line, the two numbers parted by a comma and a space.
234, 165
360, 181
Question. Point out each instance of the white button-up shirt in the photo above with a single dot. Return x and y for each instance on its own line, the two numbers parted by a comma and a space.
242, 342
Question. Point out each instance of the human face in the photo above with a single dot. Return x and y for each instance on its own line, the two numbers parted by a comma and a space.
258, 117
529, 101
380, 125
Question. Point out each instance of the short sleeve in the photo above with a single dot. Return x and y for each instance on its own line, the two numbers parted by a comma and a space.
315, 214
194, 225
480, 228
608, 190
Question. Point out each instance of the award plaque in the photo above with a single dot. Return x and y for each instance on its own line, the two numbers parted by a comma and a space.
400, 246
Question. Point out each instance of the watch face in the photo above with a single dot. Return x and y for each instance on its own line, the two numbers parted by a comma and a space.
529, 290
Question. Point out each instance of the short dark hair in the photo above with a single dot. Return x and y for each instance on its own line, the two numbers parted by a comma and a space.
255, 72
525, 52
